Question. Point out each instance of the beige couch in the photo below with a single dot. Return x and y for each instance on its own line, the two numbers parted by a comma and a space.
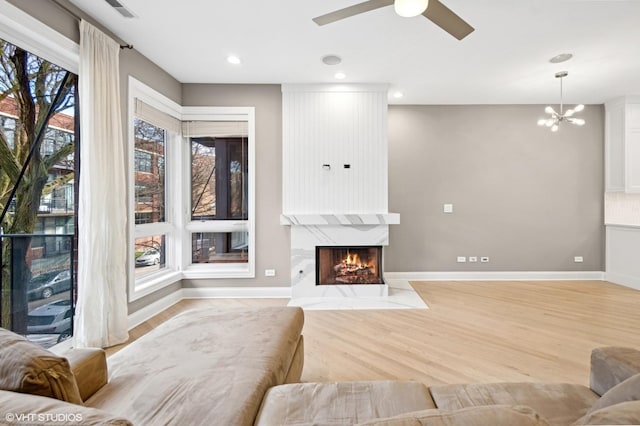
202, 367
612, 398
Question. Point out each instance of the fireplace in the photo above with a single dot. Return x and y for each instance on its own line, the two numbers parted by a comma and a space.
348, 265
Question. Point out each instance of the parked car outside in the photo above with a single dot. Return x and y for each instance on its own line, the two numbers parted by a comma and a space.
148, 258
45, 285
52, 318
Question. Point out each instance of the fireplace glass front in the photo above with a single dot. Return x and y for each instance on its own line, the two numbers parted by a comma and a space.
348, 265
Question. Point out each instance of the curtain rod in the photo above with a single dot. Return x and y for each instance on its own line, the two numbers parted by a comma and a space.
79, 18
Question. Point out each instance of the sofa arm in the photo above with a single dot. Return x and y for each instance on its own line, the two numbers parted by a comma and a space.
89, 366
612, 365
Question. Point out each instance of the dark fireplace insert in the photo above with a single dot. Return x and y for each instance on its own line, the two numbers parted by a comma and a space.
340, 265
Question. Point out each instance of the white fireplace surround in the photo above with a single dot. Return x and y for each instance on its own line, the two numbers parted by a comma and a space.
310, 231
335, 178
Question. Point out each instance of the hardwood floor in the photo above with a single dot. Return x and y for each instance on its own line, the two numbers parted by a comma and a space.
473, 332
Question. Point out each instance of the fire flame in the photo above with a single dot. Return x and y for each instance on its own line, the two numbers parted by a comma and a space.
354, 261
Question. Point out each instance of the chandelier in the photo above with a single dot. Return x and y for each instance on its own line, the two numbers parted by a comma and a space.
558, 117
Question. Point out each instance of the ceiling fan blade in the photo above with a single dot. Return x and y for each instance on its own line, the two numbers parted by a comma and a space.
446, 19
347, 12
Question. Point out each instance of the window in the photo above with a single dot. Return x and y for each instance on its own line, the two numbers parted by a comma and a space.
150, 254
219, 247
37, 280
192, 191
221, 222
149, 173
155, 154
219, 173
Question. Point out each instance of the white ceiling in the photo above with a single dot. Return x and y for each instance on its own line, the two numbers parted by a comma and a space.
505, 61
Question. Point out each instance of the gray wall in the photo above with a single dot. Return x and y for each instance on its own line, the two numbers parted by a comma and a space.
272, 239
527, 198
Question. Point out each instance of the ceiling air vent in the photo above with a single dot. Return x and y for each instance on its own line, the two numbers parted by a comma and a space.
120, 8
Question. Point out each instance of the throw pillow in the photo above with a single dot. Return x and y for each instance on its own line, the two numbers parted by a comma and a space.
628, 390
19, 409
27, 368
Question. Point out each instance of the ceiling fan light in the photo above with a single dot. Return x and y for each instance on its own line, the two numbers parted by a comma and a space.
542, 122
569, 112
554, 128
549, 110
550, 122
578, 121
410, 8
578, 108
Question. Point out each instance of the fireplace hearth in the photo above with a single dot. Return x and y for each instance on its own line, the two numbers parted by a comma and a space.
348, 265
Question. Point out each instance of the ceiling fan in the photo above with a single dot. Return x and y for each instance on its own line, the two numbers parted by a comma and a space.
433, 10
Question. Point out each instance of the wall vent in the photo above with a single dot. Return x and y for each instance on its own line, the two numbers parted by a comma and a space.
122, 10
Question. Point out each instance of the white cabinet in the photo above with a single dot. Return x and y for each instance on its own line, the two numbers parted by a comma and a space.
622, 144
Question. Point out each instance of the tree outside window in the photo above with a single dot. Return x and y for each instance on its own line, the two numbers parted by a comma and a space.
31, 89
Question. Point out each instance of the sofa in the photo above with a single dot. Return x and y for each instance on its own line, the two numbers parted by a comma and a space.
243, 367
613, 397
206, 367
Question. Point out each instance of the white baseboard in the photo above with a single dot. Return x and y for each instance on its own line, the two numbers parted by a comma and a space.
143, 314
237, 292
497, 276
623, 279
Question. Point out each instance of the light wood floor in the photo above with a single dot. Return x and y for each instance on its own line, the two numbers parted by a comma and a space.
473, 332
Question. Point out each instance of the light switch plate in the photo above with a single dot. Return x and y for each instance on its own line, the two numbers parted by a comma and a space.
447, 208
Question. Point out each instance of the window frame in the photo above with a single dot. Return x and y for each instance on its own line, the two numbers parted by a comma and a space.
21, 29
178, 226
171, 227
220, 270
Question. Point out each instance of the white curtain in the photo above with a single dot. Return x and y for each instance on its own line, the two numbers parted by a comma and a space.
101, 312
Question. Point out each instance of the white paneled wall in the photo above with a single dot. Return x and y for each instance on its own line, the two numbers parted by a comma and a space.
335, 125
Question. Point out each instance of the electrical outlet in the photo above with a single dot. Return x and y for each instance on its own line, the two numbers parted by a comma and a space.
578, 259
484, 259
473, 259
269, 272
461, 259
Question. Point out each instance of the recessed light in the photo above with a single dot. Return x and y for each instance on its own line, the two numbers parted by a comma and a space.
233, 60
563, 57
331, 59
340, 76
398, 95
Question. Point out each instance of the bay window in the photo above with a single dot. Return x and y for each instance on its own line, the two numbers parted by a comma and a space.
191, 192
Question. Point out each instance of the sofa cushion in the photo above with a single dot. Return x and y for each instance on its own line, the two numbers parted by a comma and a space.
343, 403
27, 368
18, 408
494, 415
209, 367
558, 403
625, 413
611, 365
629, 390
